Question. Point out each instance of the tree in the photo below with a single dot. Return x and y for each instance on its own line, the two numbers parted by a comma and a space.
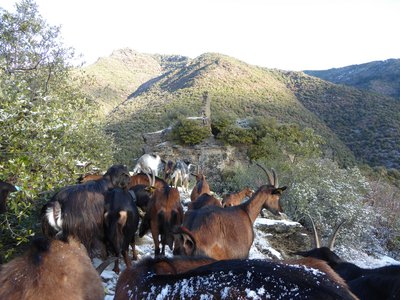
47, 123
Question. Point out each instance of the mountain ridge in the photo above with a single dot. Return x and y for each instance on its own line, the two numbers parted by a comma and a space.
381, 77
241, 90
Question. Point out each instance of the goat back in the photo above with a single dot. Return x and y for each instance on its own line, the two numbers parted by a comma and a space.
232, 279
51, 270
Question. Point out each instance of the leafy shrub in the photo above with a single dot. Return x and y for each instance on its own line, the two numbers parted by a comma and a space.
267, 139
220, 124
47, 123
190, 132
235, 135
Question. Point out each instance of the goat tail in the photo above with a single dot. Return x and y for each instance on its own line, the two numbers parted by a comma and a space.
144, 225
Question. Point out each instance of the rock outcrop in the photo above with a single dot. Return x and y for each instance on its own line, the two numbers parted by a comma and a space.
211, 156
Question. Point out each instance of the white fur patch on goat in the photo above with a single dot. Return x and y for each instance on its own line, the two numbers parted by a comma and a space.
148, 163
53, 215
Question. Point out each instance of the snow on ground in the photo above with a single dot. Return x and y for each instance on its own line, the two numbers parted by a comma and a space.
260, 249
364, 260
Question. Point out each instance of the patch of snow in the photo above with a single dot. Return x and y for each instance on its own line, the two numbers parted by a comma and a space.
225, 293
194, 118
268, 222
250, 294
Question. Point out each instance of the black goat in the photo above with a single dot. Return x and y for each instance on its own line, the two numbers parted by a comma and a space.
178, 278
366, 283
121, 220
5, 189
142, 194
78, 210
376, 286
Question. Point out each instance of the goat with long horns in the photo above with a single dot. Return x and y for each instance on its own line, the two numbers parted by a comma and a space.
367, 284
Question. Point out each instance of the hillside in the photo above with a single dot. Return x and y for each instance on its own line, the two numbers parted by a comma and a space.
115, 77
347, 118
367, 123
382, 77
236, 90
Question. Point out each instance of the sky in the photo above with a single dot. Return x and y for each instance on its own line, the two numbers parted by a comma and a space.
285, 34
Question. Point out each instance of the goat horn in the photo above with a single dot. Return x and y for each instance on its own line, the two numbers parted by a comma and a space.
276, 185
148, 176
270, 178
105, 264
332, 239
316, 238
153, 182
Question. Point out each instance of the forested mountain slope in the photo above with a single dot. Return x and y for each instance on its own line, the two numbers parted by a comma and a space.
367, 123
382, 77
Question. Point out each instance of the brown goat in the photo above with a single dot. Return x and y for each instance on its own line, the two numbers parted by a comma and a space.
198, 278
233, 199
51, 270
144, 178
200, 187
168, 170
164, 211
88, 177
226, 233
204, 200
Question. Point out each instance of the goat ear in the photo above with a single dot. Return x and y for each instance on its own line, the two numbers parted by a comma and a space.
123, 216
188, 244
279, 190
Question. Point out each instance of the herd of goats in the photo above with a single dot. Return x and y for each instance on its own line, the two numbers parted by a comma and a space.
210, 242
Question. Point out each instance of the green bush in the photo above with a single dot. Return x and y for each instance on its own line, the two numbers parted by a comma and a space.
190, 132
235, 135
266, 139
219, 125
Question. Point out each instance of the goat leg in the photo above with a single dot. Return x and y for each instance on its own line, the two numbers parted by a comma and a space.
134, 253
127, 260
156, 243
116, 266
